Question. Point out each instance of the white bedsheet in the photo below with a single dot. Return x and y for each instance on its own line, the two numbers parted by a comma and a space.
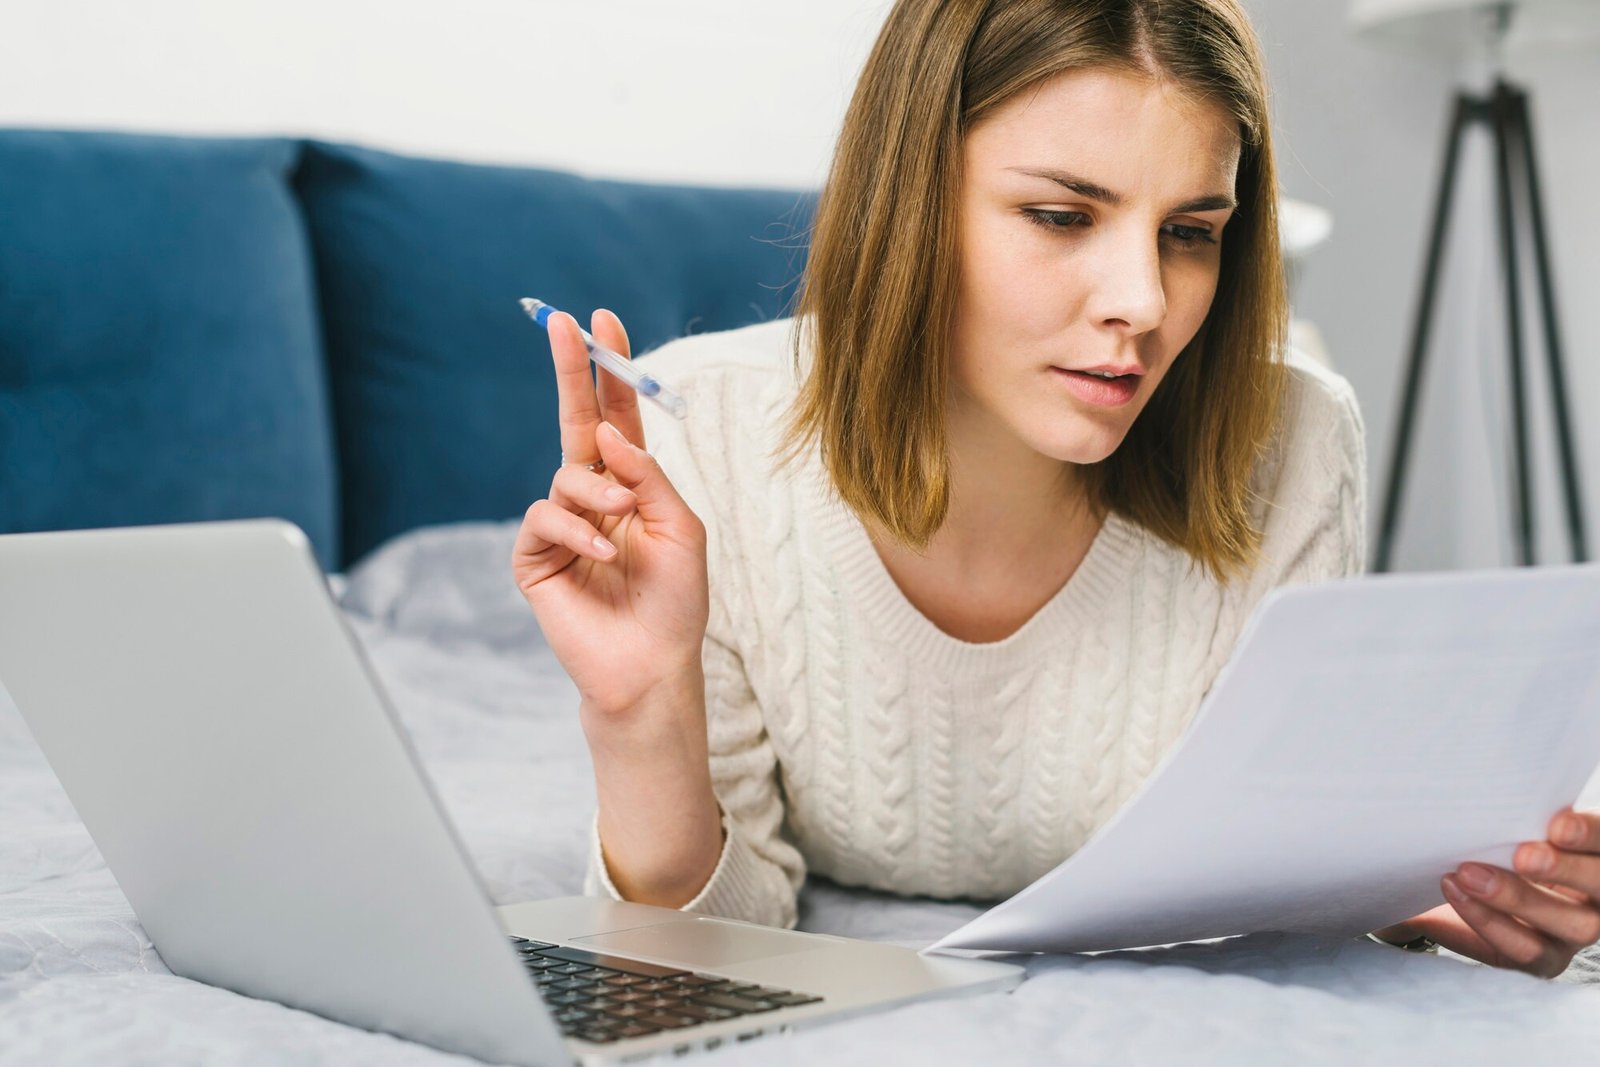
492, 716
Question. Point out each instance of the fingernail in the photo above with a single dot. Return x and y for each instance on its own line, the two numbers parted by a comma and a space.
606, 547
1478, 880
1569, 831
1537, 858
617, 494
615, 433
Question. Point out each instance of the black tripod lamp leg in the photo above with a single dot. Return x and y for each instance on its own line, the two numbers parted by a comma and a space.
1501, 109
1523, 127
1465, 108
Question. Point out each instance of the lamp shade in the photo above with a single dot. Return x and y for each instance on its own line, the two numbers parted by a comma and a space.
1458, 27
1301, 226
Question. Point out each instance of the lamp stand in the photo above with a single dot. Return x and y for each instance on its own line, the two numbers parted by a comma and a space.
1505, 111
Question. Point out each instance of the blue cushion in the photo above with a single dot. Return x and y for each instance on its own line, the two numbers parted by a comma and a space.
443, 390
159, 350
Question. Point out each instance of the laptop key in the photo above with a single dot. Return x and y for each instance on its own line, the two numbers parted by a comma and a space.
755, 992
655, 987
789, 1000
624, 979
523, 943
667, 1021
705, 1012
572, 968
634, 1029
598, 1037
616, 963
629, 1011
661, 1002
743, 1005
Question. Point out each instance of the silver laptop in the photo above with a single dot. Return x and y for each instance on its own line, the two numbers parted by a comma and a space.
221, 734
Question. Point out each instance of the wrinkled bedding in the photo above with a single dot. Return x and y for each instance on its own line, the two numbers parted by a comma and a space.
492, 717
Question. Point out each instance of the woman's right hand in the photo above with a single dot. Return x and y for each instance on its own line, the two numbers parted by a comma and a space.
614, 563
626, 616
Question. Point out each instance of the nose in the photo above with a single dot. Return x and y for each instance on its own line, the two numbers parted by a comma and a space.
1129, 296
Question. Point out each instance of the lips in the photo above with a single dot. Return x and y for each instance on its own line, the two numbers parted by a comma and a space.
1127, 370
1100, 392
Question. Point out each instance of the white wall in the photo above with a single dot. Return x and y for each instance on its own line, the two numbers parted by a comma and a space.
713, 91
1361, 130
741, 92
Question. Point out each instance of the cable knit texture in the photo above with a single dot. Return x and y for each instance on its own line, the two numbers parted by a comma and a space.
852, 737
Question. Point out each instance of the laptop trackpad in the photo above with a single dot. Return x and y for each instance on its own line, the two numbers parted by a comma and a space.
702, 942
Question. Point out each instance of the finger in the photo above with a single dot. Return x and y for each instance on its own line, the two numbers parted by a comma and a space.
577, 404
1578, 831
548, 528
658, 499
534, 557
1579, 870
1568, 921
1512, 943
1565, 891
579, 489
619, 401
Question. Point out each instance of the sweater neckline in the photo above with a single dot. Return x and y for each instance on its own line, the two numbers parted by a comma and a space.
868, 584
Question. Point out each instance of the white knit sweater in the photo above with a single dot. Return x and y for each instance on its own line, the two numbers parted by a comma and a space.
851, 737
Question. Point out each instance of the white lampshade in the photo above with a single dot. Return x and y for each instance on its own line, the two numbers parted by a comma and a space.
1458, 27
1301, 226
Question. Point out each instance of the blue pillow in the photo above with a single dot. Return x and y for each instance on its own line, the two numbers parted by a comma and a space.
159, 352
443, 391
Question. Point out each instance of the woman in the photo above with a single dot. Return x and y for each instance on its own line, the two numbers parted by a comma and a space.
960, 547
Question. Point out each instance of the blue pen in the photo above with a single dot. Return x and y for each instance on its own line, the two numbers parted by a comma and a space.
646, 385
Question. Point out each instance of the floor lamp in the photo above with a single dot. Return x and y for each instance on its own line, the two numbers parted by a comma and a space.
1492, 26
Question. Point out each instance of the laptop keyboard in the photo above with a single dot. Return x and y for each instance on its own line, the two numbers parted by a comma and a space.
602, 998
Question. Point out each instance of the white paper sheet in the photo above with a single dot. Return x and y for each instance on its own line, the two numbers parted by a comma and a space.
1366, 737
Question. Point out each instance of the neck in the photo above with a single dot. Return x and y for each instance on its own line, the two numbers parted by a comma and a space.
1007, 501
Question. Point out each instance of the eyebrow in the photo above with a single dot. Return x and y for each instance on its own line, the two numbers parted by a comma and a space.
1085, 187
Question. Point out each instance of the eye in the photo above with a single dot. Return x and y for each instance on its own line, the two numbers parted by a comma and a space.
1054, 220
1189, 236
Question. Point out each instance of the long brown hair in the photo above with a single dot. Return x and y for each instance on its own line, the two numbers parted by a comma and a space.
878, 294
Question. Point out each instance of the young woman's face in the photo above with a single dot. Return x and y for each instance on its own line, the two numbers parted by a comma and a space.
1091, 218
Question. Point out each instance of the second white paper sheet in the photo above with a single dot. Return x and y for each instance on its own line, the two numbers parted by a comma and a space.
1365, 738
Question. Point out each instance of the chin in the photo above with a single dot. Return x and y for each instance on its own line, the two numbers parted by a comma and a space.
1084, 447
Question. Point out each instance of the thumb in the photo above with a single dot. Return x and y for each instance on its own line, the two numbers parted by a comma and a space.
1444, 925
637, 469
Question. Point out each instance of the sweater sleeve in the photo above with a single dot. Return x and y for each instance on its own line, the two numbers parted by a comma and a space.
759, 873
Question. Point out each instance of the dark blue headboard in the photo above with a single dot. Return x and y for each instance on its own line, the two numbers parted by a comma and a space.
208, 328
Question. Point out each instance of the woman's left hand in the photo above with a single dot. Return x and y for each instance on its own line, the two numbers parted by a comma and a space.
1534, 919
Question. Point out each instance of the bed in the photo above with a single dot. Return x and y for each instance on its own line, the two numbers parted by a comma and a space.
493, 719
